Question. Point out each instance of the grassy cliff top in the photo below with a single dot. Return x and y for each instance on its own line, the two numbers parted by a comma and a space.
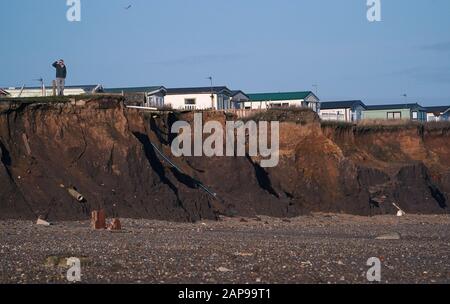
386, 125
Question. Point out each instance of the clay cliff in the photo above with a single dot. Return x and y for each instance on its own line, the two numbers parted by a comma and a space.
109, 154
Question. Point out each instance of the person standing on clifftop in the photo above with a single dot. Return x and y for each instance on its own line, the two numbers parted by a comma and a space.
61, 73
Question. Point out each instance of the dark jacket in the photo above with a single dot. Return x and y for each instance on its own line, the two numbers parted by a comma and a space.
61, 72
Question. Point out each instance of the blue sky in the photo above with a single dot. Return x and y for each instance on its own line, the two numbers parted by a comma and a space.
256, 46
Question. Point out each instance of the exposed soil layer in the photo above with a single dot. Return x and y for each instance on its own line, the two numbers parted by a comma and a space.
110, 155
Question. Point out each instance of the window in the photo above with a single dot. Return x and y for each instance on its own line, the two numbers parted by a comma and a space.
337, 116
226, 102
190, 104
220, 105
415, 115
394, 115
151, 101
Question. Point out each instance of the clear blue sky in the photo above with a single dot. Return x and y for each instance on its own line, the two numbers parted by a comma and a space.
256, 46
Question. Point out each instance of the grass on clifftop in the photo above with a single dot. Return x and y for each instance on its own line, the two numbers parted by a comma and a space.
386, 125
437, 126
294, 114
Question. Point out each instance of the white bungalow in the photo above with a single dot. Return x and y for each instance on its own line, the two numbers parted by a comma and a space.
440, 113
151, 96
238, 99
201, 98
305, 99
348, 111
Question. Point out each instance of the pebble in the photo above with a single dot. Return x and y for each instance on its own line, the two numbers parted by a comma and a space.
389, 236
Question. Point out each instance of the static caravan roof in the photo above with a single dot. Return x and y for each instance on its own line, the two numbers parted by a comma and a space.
345, 104
88, 87
198, 90
395, 107
438, 109
135, 89
280, 96
236, 92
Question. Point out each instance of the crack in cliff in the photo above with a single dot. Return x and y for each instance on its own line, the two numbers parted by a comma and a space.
157, 166
6, 160
84, 140
110, 162
263, 178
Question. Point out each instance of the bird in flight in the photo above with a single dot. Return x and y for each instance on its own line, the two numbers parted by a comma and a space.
128, 7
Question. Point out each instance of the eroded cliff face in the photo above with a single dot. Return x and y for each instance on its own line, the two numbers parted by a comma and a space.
105, 151
364, 170
100, 148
